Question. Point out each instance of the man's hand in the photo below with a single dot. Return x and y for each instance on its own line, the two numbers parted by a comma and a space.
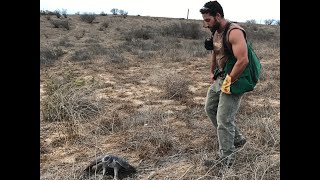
226, 85
211, 78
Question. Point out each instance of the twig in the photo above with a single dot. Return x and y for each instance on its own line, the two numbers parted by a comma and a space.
186, 172
175, 93
74, 175
219, 162
267, 169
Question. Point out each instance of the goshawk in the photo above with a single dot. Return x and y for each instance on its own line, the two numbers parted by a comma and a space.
109, 163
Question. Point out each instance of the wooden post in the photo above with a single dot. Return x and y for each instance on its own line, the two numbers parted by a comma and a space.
188, 13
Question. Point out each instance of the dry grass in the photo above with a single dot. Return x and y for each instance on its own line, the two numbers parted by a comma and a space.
135, 87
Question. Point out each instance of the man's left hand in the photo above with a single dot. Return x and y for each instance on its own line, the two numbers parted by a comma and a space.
226, 85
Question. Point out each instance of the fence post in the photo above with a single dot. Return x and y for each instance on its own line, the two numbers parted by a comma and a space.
188, 13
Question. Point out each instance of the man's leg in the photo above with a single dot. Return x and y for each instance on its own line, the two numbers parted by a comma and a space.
227, 109
211, 106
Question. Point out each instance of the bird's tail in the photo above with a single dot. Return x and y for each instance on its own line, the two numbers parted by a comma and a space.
95, 166
127, 172
131, 169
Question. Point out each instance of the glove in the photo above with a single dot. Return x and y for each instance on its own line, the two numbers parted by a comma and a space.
226, 85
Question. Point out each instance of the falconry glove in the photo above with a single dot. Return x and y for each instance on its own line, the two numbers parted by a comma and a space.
226, 85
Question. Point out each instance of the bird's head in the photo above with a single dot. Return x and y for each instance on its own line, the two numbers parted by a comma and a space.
107, 159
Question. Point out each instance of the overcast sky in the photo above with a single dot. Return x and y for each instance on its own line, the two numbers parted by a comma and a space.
235, 10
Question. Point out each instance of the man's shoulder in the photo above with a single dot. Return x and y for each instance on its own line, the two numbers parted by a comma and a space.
235, 25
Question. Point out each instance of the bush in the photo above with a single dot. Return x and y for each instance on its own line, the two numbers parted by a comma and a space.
252, 21
64, 41
81, 55
64, 13
57, 13
69, 99
49, 55
123, 13
89, 18
175, 86
114, 11
60, 24
269, 21
183, 30
47, 12
141, 33
103, 13
80, 34
105, 24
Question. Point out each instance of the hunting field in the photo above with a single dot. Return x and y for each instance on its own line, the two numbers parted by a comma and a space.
135, 87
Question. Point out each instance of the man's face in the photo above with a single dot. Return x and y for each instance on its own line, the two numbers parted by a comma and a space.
211, 22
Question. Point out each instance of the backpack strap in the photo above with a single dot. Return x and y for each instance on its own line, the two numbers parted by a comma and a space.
226, 49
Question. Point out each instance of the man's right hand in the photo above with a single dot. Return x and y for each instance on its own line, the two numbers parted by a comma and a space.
211, 78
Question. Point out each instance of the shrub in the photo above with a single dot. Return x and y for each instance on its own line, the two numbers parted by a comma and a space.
49, 55
252, 21
189, 30
89, 18
104, 24
123, 13
114, 11
103, 14
140, 33
269, 21
64, 41
64, 13
175, 86
80, 34
116, 57
60, 24
57, 13
81, 55
70, 99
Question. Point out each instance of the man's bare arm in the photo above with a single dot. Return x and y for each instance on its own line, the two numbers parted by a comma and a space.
213, 65
239, 48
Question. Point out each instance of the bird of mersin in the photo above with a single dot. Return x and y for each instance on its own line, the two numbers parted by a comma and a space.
107, 163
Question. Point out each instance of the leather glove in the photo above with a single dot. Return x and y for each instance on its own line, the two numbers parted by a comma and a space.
226, 85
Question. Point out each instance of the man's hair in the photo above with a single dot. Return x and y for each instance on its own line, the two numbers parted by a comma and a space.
212, 7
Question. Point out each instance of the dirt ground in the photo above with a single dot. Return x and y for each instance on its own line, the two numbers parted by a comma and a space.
164, 135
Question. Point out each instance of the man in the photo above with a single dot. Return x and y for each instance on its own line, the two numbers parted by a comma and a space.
221, 105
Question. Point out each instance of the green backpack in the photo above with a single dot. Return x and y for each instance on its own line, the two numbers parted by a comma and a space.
250, 76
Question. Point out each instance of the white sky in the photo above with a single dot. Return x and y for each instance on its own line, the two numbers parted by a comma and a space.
235, 10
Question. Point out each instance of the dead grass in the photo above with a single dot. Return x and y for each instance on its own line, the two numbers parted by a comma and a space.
129, 87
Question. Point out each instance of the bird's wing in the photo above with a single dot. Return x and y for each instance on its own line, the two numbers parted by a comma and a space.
94, 163
122, 162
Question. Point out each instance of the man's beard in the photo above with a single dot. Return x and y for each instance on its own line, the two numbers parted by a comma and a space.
215, 26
